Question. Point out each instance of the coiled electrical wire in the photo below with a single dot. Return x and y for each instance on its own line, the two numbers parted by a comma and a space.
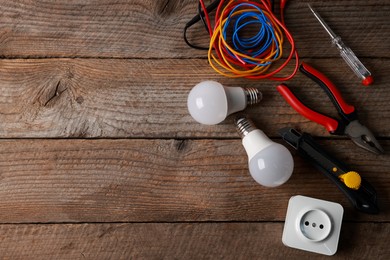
233, 54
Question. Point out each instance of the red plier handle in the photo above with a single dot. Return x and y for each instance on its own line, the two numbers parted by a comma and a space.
346, 111
329, 123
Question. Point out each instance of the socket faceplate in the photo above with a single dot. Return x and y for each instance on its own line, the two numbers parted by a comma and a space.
313, 225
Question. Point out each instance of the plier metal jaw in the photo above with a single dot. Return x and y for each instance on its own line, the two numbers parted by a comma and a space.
362, 195
363, 137
348, 123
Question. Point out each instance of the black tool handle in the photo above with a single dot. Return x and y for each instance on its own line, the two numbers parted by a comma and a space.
364, 199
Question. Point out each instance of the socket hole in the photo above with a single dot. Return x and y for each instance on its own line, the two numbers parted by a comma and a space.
306, 223
321, 226
314, 224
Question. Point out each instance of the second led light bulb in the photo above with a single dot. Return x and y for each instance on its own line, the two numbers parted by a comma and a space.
270, 163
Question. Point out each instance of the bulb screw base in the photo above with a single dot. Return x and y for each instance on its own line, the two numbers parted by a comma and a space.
244, 126
253, 96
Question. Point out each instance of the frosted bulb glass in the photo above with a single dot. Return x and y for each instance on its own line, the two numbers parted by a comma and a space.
270, 163
210, 103
272, 166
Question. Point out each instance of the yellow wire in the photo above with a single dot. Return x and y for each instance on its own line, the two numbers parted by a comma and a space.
224, 66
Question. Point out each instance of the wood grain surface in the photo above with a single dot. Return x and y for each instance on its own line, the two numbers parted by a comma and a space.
178, 241
162, 180
153, 29
127, 98
100, 159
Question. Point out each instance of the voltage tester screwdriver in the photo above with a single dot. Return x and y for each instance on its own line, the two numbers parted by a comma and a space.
347, 54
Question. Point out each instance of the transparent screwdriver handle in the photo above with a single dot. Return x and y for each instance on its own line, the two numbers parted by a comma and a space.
345, 52
353, 62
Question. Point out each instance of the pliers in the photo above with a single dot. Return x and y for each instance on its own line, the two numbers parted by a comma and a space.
348, 123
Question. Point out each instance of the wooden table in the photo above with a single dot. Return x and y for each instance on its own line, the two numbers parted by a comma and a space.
101, 160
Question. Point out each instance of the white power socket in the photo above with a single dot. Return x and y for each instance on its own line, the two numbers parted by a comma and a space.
313, 225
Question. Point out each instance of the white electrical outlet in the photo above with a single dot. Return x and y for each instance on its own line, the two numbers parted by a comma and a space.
313, 225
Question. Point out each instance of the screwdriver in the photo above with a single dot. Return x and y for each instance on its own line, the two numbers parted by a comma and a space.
346, 53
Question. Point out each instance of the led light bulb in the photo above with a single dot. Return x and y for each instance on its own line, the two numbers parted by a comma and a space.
210, 103
270, 163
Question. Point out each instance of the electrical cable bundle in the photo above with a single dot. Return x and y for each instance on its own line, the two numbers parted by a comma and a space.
232, 53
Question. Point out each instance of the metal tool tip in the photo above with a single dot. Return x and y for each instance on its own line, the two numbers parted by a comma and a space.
371, 144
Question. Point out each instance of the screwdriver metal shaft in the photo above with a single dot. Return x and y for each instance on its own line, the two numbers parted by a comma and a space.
346, 53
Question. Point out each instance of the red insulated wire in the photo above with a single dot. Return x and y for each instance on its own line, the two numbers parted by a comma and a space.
235, 60
207, 17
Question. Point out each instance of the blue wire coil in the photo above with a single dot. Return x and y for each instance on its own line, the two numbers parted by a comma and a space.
256, 45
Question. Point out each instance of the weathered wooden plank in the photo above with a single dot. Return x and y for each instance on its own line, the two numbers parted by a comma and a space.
163, 181
357, 27
147, 28
180, 241
148, 98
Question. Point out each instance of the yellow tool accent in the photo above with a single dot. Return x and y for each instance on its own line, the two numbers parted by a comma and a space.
351, 179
